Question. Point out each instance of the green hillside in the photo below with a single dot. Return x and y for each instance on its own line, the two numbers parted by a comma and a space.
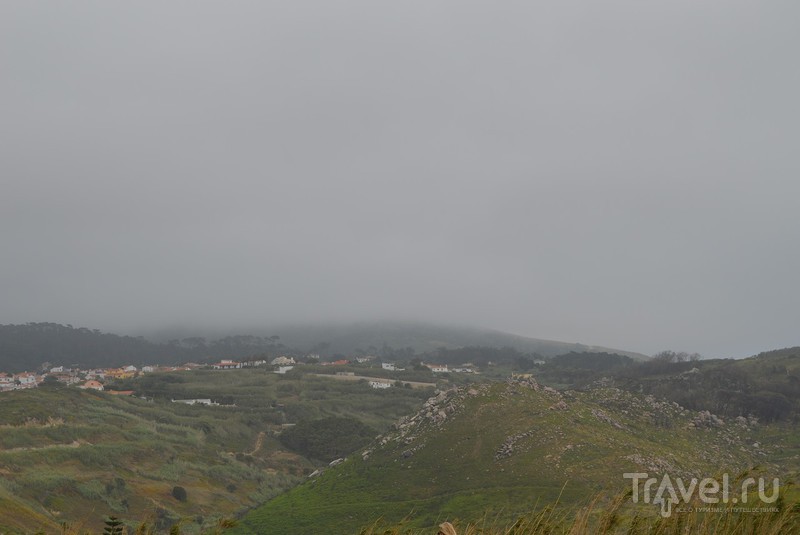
482, 450
75, 456
498, 449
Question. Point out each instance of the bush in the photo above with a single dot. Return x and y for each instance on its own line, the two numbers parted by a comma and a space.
179, 493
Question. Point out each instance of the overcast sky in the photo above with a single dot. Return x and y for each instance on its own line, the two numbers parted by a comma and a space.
616, 173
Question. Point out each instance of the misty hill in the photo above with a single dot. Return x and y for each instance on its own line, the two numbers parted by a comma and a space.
380, 337
25, 347
457, 458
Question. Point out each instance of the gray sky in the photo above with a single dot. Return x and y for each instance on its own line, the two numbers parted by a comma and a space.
614, 173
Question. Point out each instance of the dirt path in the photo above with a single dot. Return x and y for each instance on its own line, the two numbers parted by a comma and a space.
259, 443
73, 444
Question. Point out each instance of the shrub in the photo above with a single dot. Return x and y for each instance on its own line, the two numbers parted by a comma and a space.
179, 493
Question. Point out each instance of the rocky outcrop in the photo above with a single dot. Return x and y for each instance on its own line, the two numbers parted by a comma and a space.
706, 420
506, 449
435, 412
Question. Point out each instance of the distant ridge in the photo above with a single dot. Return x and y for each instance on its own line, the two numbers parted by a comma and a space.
424, 337
27, 346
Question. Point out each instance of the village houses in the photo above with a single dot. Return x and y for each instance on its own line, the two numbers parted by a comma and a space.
226, 364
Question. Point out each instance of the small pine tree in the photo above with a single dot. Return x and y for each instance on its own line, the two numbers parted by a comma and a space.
114, 526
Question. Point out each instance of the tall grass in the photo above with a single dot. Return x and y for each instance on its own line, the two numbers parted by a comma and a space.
615, 517
601, 516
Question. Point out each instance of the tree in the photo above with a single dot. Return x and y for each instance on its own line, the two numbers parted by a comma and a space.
51, 381
114, 526
672, 356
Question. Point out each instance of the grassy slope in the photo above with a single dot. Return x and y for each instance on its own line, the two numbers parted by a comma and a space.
582, 446
69, 455
77, 456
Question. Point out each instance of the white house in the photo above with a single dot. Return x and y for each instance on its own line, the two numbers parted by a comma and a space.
227, 365
282, 361
380, 384
130, 369
6, 382
388, 366
437, 368
26, 380
57, 369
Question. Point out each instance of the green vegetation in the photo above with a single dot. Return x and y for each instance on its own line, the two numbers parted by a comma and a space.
71, 455
491, 451
68, 455
328, 438
264, 398
604, 516
481, 455
179, 493
766, 386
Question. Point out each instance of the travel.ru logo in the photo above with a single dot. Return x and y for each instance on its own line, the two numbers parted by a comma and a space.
708, 491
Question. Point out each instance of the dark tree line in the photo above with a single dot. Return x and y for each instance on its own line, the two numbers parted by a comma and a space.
26, 347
